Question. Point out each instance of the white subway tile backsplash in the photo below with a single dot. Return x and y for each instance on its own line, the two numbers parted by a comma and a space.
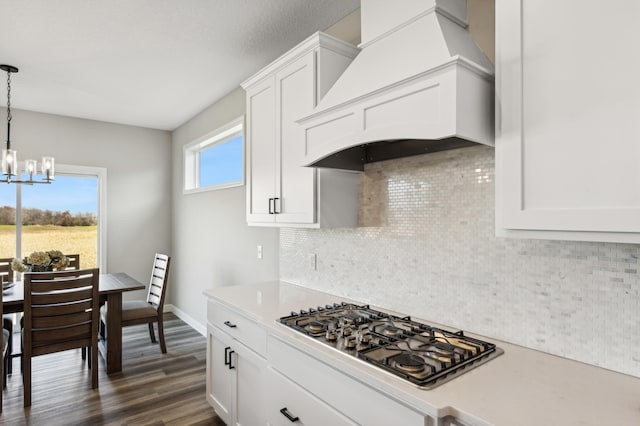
426, 247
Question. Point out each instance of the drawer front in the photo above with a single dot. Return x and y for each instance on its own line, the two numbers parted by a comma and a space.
238, 326
357, 401
288, 403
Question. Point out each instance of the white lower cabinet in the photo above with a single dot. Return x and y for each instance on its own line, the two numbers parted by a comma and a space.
235, 380
287, 403
335, 393
220, 377
236, 366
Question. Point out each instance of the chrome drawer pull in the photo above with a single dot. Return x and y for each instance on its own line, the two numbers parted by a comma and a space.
229, 324
285, 413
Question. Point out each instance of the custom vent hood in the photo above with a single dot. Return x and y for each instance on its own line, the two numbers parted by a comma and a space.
420, 84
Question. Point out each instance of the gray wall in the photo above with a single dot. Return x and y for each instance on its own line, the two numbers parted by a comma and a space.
212, 243
138, 182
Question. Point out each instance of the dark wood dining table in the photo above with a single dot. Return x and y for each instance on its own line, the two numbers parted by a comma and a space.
111, 288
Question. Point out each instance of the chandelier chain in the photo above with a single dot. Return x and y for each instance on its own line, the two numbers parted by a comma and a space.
9, 167
8, 97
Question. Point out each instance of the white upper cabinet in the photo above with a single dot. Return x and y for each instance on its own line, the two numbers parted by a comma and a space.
568, 119
280, 191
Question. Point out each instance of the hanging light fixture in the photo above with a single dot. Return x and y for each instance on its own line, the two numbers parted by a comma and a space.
10, 169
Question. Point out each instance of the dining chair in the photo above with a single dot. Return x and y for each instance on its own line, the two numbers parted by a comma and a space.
135, 312
6, 276
74, 264
4, 344
60, 313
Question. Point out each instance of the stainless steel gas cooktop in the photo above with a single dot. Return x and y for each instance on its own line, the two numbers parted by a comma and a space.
423, 355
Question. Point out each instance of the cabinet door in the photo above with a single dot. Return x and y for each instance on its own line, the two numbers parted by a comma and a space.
220, 379
568, 103
287, 401
250, 369
261, 151
295, 95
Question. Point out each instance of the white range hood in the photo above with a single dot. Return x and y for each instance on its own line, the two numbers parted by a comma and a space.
420, 84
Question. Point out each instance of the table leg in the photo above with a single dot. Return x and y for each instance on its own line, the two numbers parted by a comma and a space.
114, 333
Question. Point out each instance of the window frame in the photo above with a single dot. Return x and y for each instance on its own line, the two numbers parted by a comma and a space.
191, 157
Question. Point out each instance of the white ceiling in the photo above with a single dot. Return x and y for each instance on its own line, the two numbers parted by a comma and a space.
149, 63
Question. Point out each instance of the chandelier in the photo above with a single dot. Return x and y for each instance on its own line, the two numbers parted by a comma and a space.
11, 173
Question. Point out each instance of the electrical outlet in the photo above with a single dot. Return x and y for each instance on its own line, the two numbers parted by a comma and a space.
312, 261
259, 252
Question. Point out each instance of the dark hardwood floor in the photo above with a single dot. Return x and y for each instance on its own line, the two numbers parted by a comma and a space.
152, 389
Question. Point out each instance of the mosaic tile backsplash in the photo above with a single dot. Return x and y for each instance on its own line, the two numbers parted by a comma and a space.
426, 247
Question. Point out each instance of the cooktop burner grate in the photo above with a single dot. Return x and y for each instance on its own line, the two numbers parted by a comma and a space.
423, 355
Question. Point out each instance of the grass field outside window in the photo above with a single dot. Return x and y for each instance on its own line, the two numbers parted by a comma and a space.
80, 240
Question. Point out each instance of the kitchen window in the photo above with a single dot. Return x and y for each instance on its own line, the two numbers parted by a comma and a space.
216, 160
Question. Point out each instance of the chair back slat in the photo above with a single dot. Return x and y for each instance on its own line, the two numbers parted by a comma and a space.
61, 346
6, 271
57, 321
41, 282
74, 262
153, 299
49, 336
51, 298
71, 308
159, 277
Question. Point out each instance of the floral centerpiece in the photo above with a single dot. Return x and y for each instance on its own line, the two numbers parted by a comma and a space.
41, 261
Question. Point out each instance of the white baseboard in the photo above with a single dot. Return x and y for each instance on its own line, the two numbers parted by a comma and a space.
186, 318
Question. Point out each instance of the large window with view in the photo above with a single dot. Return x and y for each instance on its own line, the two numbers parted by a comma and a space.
64, 216
216, 160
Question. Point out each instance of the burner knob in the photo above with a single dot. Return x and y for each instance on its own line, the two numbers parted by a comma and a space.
331, 336
346, 331
350, 344
365, 338
345, 321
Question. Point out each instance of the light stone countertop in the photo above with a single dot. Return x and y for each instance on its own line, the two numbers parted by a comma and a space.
521, 387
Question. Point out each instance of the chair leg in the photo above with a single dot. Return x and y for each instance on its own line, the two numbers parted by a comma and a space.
5, 369
93, 362
26, 378
7, 323
163, 346
151, 333
9, 369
